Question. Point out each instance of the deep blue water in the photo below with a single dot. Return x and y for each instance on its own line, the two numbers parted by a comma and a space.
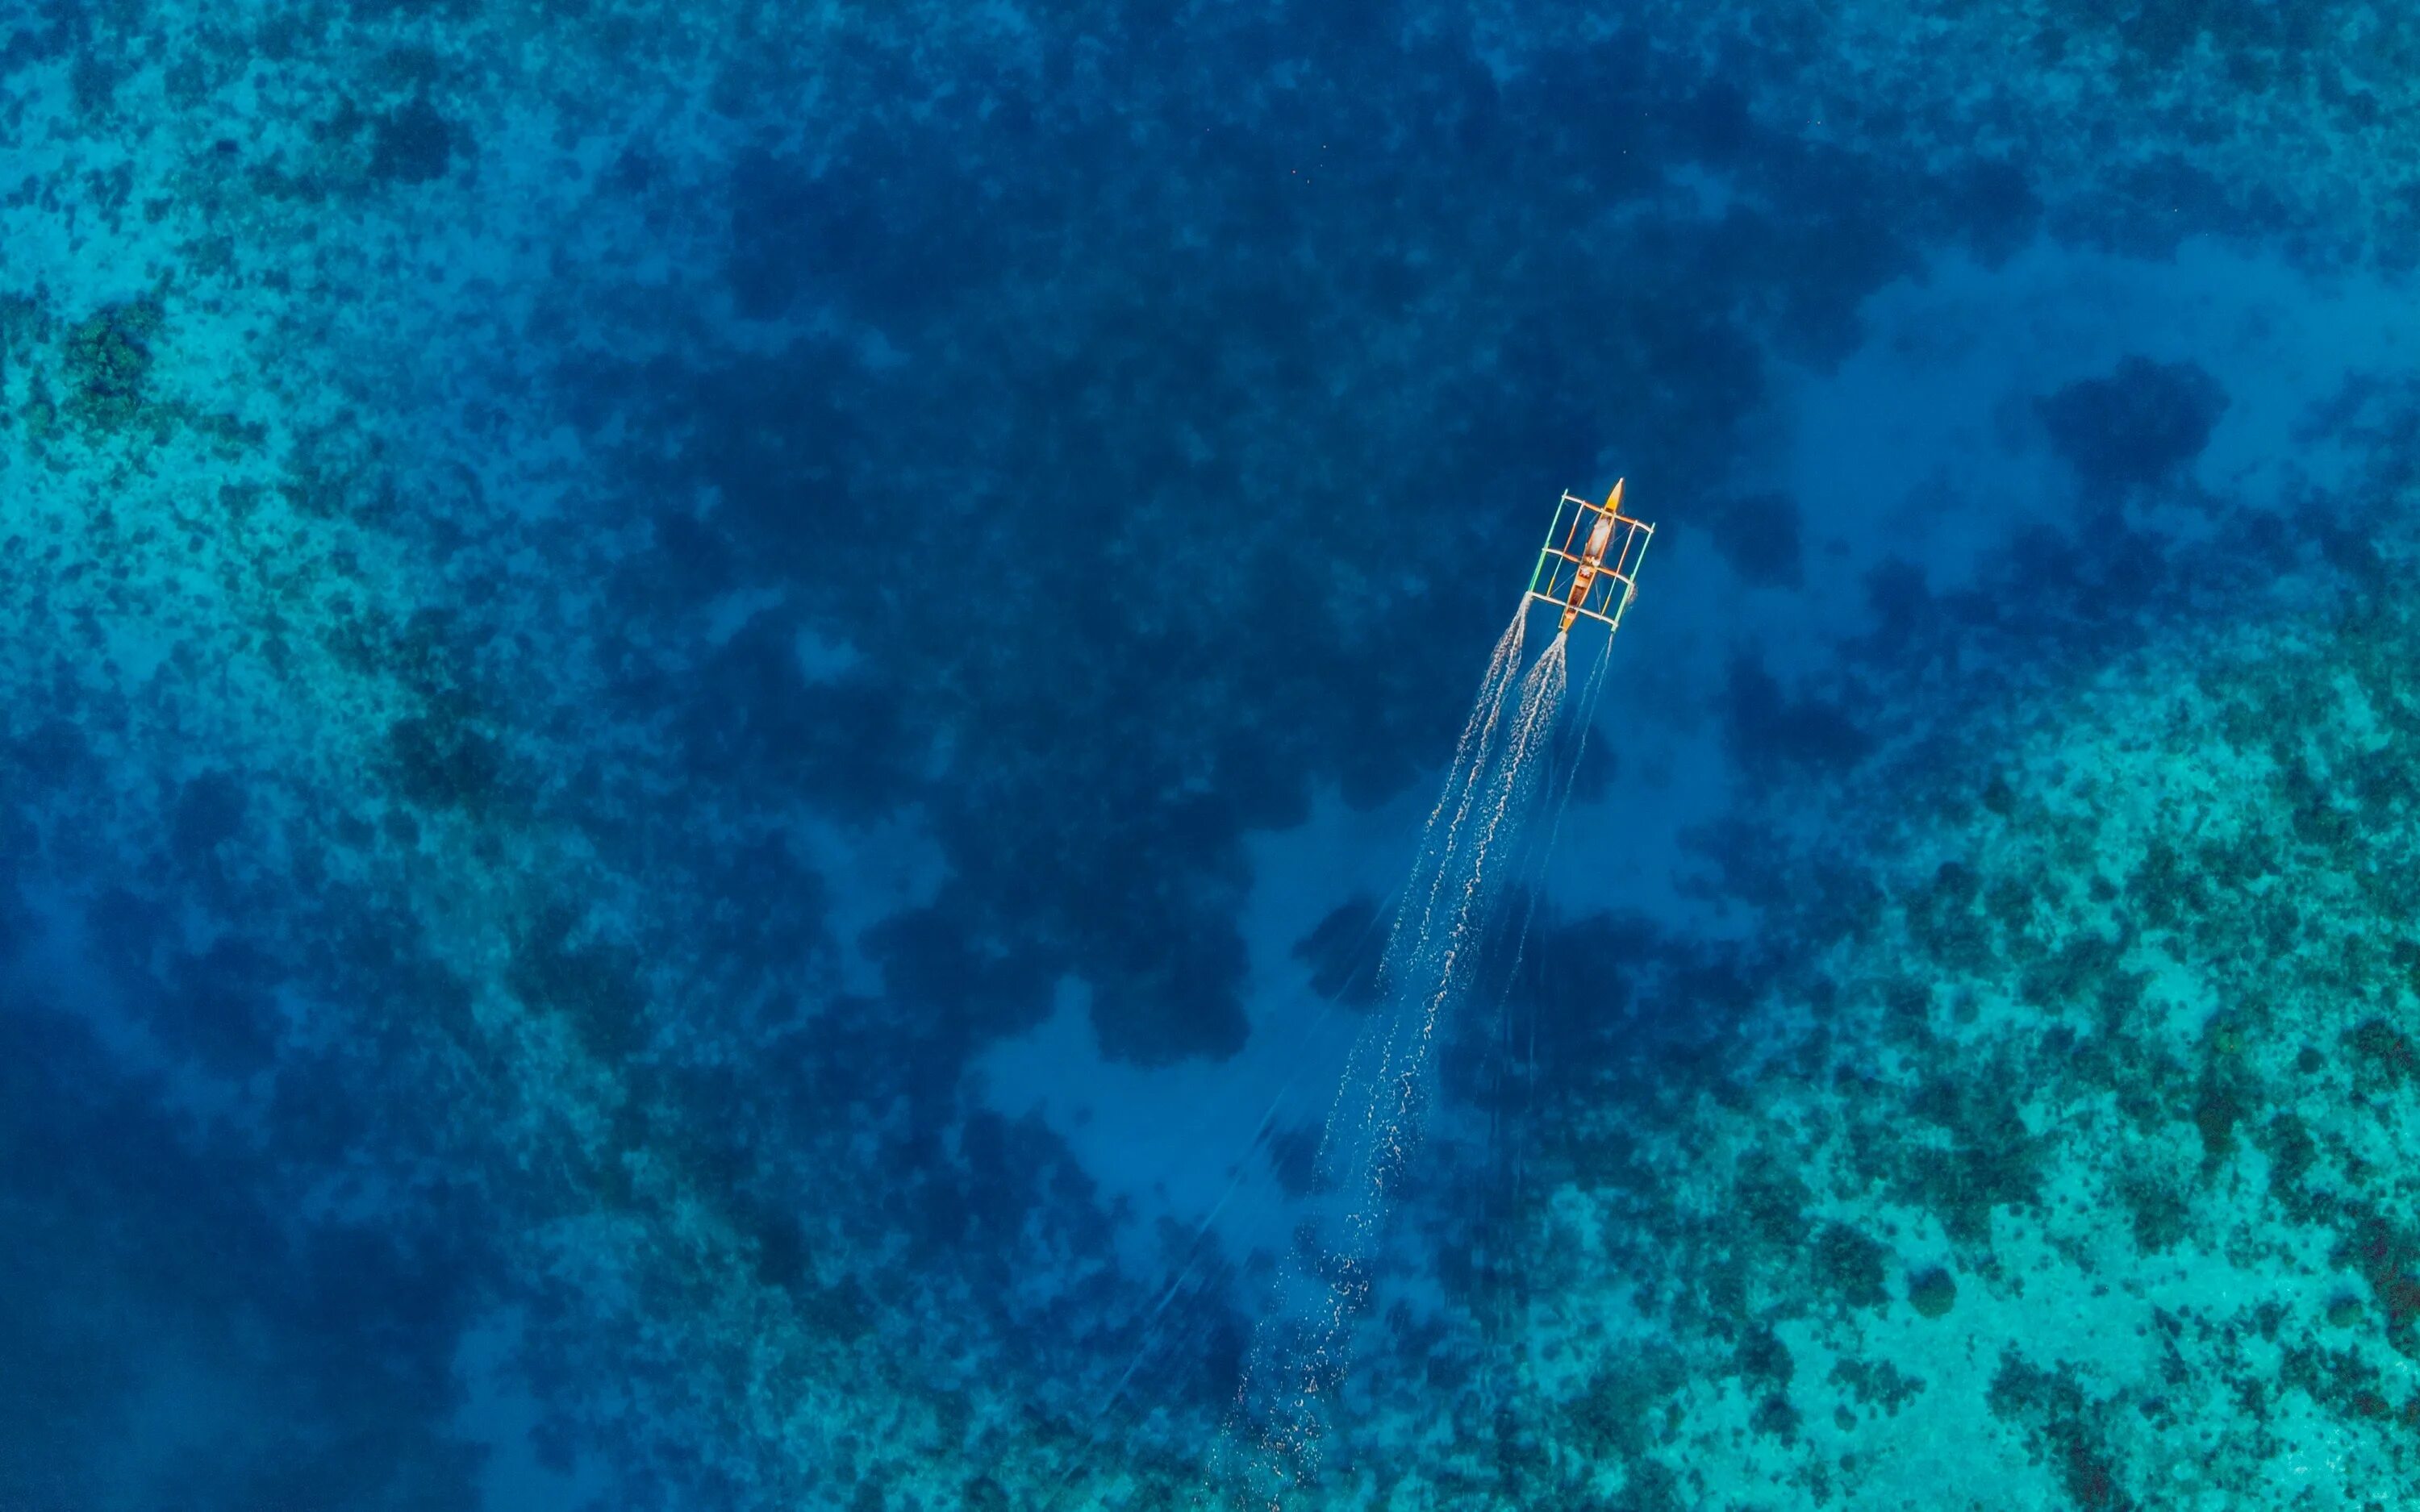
715, 716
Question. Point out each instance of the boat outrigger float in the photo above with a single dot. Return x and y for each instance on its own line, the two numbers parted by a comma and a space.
1595, 577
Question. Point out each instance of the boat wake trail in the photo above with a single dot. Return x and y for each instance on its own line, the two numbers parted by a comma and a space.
1472, 845
1503, 801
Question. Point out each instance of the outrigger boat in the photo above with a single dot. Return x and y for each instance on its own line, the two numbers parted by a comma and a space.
1595, 577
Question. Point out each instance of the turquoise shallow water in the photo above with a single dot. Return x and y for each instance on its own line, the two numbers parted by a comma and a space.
713, 715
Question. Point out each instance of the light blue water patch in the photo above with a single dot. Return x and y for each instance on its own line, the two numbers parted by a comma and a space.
1925, 446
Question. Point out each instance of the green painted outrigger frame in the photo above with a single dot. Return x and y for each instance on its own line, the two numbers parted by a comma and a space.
1615, 581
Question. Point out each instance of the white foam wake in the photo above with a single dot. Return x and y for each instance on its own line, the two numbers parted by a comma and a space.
1300, 1350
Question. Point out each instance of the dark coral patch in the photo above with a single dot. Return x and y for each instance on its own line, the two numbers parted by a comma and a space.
594, 985
935, 964
221, 1007
2064, 1426
1770, 731
1758, 535
441, 760
1933, 1291
2135, 429
1993, 204
877, 227
412, 144
109, 361
1343, 952
208, 811
2384, 1055
2388, 1258
1851, 1265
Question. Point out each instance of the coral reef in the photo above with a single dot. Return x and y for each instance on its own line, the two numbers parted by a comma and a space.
606, 601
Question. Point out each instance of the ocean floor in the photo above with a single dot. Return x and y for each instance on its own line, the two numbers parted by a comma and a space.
713, 719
